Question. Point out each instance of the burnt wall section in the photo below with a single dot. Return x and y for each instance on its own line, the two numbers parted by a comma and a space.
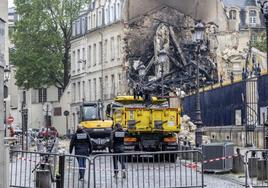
141, 31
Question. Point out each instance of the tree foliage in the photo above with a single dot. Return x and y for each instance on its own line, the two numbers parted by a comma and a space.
42, 41
260, 43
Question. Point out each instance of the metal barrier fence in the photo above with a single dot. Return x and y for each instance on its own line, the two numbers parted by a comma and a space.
47, 170
256, 168
149, 170
142, 170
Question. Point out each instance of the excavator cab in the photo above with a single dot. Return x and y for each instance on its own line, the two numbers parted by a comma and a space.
99, 129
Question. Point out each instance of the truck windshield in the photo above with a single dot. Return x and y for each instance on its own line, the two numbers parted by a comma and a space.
91, 113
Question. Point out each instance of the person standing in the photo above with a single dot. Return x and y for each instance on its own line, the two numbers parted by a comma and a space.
117, 145
82, 144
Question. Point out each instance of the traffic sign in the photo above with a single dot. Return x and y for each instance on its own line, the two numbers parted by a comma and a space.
10, 120
66, 113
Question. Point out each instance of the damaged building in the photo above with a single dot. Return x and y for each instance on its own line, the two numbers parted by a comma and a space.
113, 40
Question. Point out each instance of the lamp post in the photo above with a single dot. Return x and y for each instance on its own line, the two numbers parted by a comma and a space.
6, 78
264, 10
162, 58
198, 37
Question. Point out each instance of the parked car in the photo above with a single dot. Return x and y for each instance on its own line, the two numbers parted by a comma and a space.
17, 131
48, 132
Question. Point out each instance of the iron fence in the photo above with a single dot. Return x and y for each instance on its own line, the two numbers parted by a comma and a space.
256, 168
149, 170
47, 170
142, 170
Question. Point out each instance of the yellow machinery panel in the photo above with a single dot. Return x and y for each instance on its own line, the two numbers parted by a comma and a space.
97, 124
148, 120
138, 119
167, 120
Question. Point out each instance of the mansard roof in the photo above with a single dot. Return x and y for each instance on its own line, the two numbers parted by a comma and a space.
239, 3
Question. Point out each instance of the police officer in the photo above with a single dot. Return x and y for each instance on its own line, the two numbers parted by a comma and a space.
82, 144
117, 145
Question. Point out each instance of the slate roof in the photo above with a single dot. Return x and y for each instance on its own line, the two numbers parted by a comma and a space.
239, 3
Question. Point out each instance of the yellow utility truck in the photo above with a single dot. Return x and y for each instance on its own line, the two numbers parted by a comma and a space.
150, 126
93, 122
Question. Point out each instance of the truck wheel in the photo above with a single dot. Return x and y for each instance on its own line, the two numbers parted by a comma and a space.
172, 158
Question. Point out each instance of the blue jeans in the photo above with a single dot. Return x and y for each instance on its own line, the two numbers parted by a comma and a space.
82, 166
120, 159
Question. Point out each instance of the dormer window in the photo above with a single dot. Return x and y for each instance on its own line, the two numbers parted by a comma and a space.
233, 14
252, 17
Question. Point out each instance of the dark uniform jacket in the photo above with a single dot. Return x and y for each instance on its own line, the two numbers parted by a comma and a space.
82, 143
117, 139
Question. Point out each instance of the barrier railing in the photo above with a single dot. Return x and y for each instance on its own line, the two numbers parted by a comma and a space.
149, 170
256, 168
131, 170
47, 170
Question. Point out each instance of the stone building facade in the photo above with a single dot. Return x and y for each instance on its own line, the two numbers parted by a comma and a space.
245, 23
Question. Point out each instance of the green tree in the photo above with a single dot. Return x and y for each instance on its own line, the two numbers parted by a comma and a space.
260, 43
42, 41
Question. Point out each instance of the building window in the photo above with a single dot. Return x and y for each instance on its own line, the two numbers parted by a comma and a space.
89, 56
112, 48
252, 17
73, 29
111, 13
89, 23
57, 111
233, 14
105, 50
106, 16
112, 87
83, 90
95, 89
78, 27
94, 54
118, 11
78, 59
74, 92
94, 21
89, 90
73, 61
100, 18
60, 92
79, 91
106, 89
253, 38
83, 58
100, 87
42, 95
83, 25
100, 52
118, 46
119, 83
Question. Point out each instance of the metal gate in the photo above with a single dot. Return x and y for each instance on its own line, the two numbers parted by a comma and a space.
149, 170
251, 101
256, 168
